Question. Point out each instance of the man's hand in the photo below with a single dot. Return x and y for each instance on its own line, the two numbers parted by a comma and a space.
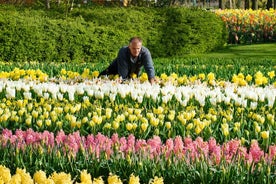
152, 80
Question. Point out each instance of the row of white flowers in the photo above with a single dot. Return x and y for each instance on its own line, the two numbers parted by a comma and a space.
245, 96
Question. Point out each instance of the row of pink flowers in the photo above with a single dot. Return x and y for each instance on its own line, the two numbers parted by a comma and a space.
178, 148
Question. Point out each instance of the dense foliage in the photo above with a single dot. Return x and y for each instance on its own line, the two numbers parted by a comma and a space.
96, 34
189, 32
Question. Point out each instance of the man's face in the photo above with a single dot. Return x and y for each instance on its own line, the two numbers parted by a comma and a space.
135, 48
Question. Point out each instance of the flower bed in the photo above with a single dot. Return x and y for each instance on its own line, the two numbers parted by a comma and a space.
80, 128
249, 26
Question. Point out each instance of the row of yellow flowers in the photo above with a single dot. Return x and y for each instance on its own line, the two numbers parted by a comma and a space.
67, 115
23, 177
241, 79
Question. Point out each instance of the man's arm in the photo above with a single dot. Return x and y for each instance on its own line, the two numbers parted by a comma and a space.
123, 62
148, 65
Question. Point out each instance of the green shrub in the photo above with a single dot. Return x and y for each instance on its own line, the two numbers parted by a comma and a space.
189, 31
96, 34
143, 22
43, 39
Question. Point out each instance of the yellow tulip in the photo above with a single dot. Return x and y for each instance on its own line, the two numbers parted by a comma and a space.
108, 113
257, 128
144, 126
265, 134
59, 124
129, 126
34, 114
84, 120
190, 126
91, 123
168, 125
39, 123
48, 122
115, 125
28, 121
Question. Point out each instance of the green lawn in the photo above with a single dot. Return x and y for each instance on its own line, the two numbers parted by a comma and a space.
255, 54
254, 51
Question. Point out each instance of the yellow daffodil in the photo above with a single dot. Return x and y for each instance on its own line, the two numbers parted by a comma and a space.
98, 180
157, 180
61, 177
39, 177
271, 74
134, 179
5, 174
85, 177
143, 77
114, 179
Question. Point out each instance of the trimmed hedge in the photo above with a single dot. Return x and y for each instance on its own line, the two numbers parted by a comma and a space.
191, 31
96, 34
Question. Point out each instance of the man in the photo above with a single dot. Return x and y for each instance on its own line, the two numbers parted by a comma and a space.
130, 59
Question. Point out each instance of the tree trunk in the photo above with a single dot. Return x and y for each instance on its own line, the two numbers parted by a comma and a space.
254, 4
239, 4
269, 4
246, 4
220, 4
48, 4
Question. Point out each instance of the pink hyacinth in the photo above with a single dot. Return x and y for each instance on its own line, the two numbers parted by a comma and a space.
169, 147
155, 146
234, 146
60, 137
178, 146
189, 150
32, 137
255, 152
6, 136
202, 147
214, 150
48, 138
101, 145
187, 141
6, 133
272, 153
73, 143
212, 144
104, 144
230, 149
90, 143
123, 144
115, 138
131, 143
141, 146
